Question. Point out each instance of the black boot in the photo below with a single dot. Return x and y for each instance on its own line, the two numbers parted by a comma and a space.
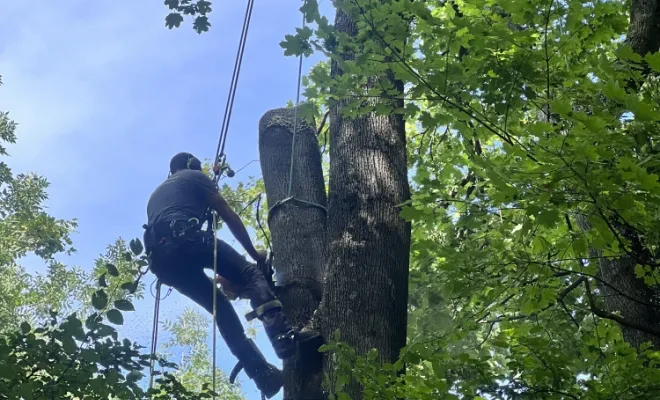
282, 336
265, 375
309, 342
277, 327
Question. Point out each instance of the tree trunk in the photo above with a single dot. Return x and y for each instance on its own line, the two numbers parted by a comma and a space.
623, 293
366, 291
621, 290
644, 28
298, 233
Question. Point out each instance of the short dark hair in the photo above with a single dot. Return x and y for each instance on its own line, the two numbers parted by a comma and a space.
184, 160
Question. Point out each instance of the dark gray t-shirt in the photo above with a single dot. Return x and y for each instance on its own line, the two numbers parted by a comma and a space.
183, 195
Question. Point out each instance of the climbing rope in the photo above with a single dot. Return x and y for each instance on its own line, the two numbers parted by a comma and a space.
215, 297
219, 165
289, 197
222, 140
154, 335
295, 119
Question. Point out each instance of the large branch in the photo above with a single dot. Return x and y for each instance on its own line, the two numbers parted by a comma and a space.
298, 233
651, 330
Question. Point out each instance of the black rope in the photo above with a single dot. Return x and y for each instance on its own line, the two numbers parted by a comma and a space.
156, 295
234, 84
261, 227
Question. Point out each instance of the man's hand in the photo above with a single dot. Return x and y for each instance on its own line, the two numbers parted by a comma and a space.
235, 225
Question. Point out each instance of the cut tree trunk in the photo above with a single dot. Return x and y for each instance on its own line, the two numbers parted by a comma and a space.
298, 233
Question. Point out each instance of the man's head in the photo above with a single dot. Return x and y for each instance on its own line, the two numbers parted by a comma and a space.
184, 161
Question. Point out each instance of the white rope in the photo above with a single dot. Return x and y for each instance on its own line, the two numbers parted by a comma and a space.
215, 294
154, 335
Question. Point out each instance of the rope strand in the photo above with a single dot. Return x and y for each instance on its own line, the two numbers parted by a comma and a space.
234, 82
154, 335
215, 296
295, 119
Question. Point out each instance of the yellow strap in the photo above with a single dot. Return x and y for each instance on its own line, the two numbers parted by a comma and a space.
259, 311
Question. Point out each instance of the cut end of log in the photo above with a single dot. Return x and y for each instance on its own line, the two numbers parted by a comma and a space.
281, 118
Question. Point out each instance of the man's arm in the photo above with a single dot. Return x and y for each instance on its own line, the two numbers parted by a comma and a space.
235, 225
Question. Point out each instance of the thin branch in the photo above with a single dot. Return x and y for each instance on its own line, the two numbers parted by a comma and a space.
562, 295
323, 121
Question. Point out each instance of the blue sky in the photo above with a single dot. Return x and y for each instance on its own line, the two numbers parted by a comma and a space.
104, 95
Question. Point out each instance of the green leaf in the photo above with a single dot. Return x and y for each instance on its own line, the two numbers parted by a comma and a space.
134, 376
115, 317
173, 20
626, 52
172, 4
124, 305
614, 91
69, 345
102, 281
136, 247
561, 106
580, 246
131, 287
549, 217
92, 322
112, 270
653, 60
410, 213
25, 327
99, 299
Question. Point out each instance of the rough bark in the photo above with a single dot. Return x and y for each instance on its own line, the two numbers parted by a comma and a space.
622, 291
624, 294
366, 289
298, 233
644, 28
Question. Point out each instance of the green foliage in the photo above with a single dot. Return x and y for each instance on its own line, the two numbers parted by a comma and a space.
198, 10
26, 228
69, 358
527, 121
189, 336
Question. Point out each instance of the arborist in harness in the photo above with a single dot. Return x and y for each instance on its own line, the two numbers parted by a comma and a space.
180, 251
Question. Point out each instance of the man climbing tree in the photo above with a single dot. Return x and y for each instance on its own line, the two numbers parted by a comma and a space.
180, 251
